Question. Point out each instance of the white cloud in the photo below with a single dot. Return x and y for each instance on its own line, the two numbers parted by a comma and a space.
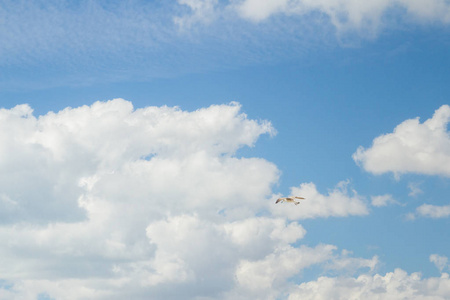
110, 202
433, 211
352, 264
345, 14
441, 262
260, 278
122, 199
202, 11
338, 203
256, 237
383, 200
434, 10
275, 274
260, 10
217, 249
413, 147
67, 289
43, 159
414, 188
430, 211
394, 285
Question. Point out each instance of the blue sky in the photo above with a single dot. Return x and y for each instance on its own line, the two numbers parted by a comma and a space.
143, 145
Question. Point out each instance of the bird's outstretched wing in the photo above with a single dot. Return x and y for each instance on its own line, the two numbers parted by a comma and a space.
289, 199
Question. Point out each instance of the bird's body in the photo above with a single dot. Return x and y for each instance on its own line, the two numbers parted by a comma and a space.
289, 199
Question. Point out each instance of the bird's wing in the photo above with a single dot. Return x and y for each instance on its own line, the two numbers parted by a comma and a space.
279, 200
299, 197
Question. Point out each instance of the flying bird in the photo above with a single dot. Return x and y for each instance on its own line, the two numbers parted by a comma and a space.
289, 199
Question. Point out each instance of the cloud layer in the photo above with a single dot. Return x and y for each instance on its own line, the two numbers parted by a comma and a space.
111, 202
73, 43
345, 14
113, 193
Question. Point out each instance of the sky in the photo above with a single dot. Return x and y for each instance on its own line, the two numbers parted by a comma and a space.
143, 145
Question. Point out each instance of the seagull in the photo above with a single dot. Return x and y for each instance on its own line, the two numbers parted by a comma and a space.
290, 199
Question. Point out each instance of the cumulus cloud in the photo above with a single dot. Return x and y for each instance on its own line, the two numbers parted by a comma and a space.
340, 202
104, 191
51, 159
413, 147
394, 285
264, 278
255, 236
111, 202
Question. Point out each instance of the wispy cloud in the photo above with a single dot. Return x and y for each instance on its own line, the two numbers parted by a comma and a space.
97, 40
201, 11
383, 200
129, 39
349, 264
414, 189
78, 30
441, 262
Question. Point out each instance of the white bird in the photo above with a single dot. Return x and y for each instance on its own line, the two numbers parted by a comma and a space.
289, 199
